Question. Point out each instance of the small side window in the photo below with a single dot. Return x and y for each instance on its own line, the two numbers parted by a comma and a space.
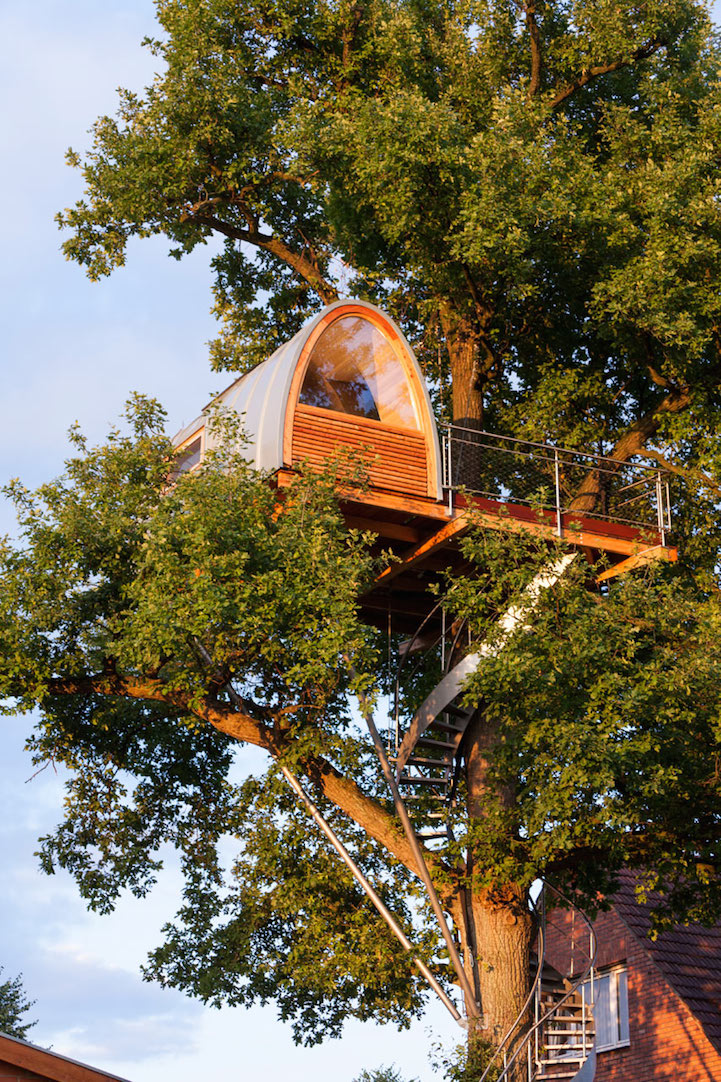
610, 1012
189, 455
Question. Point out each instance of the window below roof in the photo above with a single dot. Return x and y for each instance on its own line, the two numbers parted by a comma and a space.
610, 1012
354, 369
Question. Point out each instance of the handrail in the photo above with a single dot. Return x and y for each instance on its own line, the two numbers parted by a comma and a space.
527, 468
539, 1022
551, 447
402, 660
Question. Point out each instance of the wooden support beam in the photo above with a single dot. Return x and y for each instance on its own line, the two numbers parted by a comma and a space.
374, 497
403, 605
431, 545
423, 554
395, 530
645, 556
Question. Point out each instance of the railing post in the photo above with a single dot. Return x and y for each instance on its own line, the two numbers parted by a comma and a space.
557, 471
448, 466
660, 516
443, 639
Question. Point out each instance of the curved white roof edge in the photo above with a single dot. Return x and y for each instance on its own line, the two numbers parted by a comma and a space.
260, 396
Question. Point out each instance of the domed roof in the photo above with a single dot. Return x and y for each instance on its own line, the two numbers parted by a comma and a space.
390, 389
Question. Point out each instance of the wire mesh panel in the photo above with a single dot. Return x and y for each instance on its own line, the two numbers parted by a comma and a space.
555, 479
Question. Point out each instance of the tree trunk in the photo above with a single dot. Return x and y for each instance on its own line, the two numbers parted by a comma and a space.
462, 342
502, 925
504, 932
467, 394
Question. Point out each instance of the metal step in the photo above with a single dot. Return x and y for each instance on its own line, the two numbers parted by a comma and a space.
428, 742
408, 779
564, 1051
572, 1026
428, 813
556, 1074
417, 761
570, 1004
565, 1033
457, 712
446, 727
558, 1061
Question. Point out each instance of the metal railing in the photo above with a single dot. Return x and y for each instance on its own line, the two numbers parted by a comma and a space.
534, 1049
555, 480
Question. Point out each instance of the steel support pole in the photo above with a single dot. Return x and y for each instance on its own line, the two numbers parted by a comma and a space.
660, 516
355, 870
557, 475
410, 833
361, 879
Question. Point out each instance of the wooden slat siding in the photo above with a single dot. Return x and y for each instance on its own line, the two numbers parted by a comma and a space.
396, 457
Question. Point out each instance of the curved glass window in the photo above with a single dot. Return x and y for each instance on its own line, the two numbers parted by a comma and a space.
354, 369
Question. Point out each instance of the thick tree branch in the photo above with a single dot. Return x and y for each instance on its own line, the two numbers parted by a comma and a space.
692, 476
305, 266
536, 56
589, 74
345, 794
350, 32
632, 442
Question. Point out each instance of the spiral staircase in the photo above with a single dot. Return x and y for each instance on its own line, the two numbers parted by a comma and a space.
553, 1037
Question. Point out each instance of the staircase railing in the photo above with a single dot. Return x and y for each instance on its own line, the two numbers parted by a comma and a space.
543, 1059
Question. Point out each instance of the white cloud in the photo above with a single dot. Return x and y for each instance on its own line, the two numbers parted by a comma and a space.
130, 1040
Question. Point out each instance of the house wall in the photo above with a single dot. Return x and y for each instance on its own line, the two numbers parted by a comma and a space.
666, 1042
10, 1073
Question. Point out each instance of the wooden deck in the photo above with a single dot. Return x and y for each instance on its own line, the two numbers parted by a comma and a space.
424, 535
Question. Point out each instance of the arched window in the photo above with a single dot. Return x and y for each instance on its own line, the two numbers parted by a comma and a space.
354, 369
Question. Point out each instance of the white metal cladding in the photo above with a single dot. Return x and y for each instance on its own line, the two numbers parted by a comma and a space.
260, 398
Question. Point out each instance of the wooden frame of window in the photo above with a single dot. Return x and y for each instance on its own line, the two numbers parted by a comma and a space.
376, 431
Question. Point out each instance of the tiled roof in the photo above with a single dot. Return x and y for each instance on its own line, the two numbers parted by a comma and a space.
689, 957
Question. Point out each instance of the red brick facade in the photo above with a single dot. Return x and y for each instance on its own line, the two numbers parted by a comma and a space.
10, 1073
667, 1042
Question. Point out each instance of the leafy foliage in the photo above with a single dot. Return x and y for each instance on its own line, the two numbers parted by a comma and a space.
603, 705
13, 1005
133, 604
381, 1074
157, 619
536, 181
532, 190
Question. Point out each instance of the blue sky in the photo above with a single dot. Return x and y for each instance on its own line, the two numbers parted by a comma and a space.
72, 351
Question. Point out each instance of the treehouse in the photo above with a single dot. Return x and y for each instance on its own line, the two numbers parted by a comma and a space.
349, 382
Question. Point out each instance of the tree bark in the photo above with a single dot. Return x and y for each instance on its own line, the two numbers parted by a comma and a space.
467, 372
501, 918
504, 930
